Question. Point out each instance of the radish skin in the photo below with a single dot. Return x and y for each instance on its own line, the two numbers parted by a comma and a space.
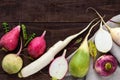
9, 41
59, 67
37, 46
42, 62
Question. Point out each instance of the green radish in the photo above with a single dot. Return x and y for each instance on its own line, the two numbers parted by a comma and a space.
80, 61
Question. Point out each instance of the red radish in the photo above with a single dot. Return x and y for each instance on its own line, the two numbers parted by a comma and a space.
106, 65
59, 67
12, 63
37, 46
9, 41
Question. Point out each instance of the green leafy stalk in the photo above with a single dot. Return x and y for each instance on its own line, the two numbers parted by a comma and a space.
5, 26
92, 49
78, 41
29, 39
24, 32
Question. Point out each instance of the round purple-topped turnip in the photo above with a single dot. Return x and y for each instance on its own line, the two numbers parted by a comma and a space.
106, 65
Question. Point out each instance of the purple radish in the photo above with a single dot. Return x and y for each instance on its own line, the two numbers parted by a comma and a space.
37, 46
106, 65
9, 41
12, 63
59, 67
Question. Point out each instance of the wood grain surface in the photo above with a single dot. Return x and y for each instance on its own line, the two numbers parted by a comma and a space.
60, 18
55, 10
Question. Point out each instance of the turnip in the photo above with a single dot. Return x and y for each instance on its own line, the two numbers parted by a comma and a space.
37, 46
105, 65
115, 32
103, 40
59, 67
47, 57
12, 63
9, 41
80, 61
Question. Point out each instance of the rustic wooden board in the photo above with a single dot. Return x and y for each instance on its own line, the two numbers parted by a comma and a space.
55, 10
60, 18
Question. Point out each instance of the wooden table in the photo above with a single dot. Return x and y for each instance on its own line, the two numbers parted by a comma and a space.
60, 18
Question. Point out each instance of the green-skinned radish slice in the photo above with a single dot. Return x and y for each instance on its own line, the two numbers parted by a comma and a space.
59, 67
103, 40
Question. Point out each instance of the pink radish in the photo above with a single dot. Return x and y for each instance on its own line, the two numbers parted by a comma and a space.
47, 57
12, 63
37, 46
59, 67
9, 41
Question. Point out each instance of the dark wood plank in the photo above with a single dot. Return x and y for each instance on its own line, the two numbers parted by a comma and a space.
55, 10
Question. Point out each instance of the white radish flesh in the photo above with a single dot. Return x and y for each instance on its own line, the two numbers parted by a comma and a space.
45, 59
59, 67
115, 32
103, 40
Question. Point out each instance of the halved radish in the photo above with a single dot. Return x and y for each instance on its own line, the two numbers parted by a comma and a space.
59, 67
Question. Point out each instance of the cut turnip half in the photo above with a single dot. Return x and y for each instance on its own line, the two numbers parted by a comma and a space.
103, 40
59, 67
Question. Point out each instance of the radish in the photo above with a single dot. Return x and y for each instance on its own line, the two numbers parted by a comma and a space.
12, 63
103, 40
80, 61
37, 46
59, 67
45, 59
9, 41
105, 65
115, 32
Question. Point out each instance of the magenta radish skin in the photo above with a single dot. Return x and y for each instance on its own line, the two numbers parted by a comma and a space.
106, 65
9, 40
37, 46
59, 67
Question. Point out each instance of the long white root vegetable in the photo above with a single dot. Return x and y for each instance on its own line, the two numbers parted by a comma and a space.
47, 57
